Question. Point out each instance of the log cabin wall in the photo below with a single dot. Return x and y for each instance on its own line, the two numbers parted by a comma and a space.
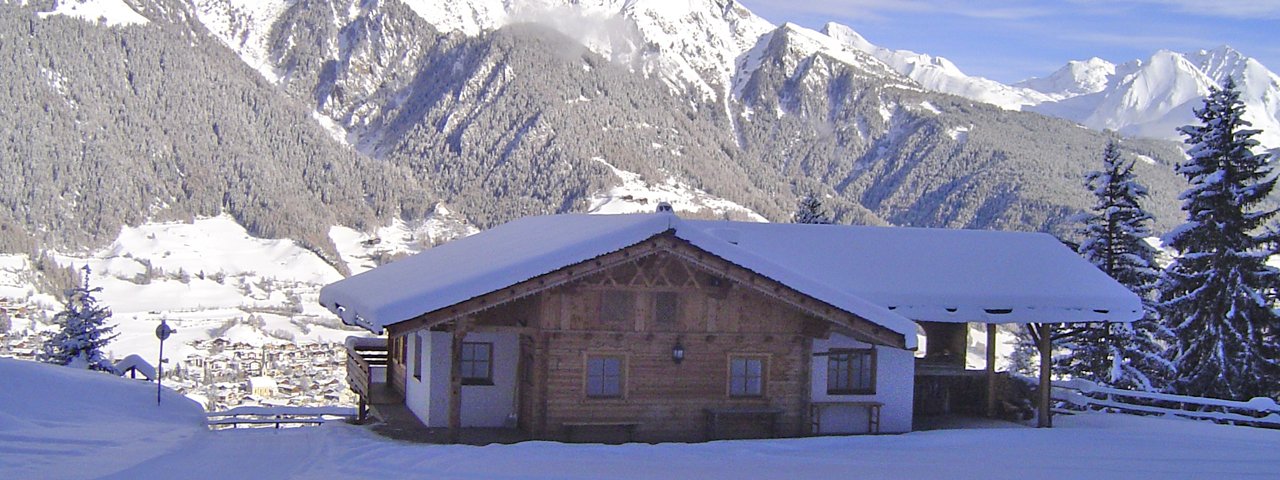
713, 318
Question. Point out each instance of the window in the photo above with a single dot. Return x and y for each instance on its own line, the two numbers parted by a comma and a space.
617, 307
417, 356
746, 376
604, 376
666, 308
477, 363
851, 372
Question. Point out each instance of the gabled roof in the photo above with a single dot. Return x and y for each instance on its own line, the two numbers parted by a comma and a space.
886, 275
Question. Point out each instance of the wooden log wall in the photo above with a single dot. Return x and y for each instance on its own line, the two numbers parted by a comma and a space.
715, 320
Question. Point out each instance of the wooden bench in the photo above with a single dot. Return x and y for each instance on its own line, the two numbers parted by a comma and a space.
629, 427
816, 408
713, 416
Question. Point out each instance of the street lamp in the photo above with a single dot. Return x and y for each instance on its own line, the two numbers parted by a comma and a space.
162, 332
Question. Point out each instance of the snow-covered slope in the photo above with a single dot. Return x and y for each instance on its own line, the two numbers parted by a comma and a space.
939, 74
1152, 98
112, 13
59, 422
635, 195
211, 279
363, 251
208, 278
244, 26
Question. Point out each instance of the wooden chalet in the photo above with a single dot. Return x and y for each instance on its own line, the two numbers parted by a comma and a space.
649, 327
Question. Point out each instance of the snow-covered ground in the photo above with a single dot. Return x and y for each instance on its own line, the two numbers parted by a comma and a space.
56, 422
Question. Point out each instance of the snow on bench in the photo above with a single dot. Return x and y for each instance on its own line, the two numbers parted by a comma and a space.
1085, 395
278, 416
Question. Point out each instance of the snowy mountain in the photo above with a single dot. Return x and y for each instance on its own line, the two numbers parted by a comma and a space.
1152, 98
1074, 79
1149, 98
939, 74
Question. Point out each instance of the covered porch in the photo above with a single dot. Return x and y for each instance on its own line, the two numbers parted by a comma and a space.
946, 387
383, 405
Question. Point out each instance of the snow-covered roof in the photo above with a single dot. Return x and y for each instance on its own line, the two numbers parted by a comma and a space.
937, 275
136, 362
887, 275
487, 261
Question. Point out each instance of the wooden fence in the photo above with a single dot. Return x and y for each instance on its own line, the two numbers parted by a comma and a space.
277, 417
1082, 394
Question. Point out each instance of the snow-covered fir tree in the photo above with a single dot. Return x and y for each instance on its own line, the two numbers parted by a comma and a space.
809, 210
1215, 295
1119, 354
84, 331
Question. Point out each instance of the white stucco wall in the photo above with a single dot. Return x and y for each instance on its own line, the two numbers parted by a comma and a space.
895, 383
482, 405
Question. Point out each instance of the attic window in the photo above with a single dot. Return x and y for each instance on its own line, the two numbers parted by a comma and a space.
666, 308
617, 307
999, 311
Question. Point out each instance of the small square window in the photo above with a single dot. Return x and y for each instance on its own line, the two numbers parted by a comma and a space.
604, 376
477, 363
746, 377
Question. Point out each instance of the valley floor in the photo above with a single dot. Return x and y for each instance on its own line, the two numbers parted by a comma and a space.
50, 428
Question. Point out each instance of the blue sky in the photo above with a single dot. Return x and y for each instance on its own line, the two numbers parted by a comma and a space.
1011, 40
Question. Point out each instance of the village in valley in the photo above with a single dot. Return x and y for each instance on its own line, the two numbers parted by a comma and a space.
218, 374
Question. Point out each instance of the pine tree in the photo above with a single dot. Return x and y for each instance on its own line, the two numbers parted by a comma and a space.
810, 210
1117, 354
84, 331
1216, 295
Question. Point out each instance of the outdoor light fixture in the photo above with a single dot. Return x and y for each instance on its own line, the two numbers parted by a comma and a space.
677, 352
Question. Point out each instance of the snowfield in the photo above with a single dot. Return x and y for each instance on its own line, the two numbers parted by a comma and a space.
57, 422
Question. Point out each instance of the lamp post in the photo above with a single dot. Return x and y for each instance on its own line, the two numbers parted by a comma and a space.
162, 332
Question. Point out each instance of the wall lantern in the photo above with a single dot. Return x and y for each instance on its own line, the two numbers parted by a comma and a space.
677, 352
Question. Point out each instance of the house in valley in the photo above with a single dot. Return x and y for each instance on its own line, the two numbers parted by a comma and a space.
653, 327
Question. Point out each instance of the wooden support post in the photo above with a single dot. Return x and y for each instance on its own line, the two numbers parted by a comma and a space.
991, 370
362, 411
1045, 419
455, 380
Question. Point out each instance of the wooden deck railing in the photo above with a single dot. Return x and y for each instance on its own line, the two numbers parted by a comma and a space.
362, 356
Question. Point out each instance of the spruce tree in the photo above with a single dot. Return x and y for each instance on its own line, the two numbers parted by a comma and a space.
810, 210
1119, 354
84, 331
1215, 295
